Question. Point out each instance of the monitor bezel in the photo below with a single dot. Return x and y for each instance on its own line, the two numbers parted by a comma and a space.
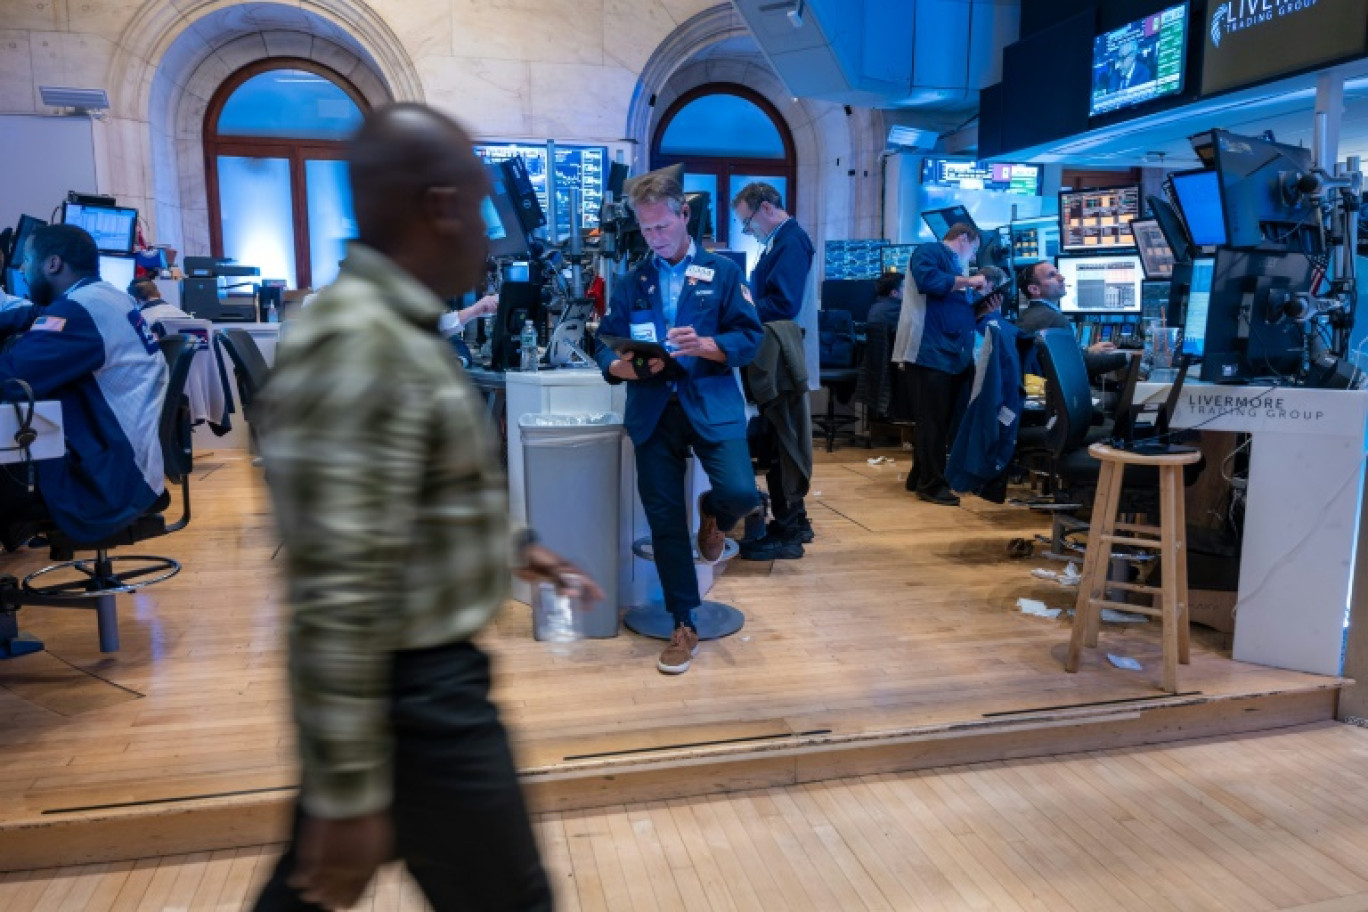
1182, 211
1137, 310
1153, 222
1063, 231
1094, 114
132, 223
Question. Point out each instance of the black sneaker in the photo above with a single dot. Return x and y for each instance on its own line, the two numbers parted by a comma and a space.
802, 534
944, 496
771, 548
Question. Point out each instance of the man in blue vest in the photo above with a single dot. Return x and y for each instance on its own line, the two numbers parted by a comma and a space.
778, 286
83, 343
698, 307
936, 341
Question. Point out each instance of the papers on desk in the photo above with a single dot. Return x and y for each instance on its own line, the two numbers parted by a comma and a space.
47, 421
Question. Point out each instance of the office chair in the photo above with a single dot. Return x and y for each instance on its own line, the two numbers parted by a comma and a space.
97, 582
251, 370
836, 336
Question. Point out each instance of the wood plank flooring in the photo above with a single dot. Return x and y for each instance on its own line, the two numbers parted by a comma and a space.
901, 616
1258, 823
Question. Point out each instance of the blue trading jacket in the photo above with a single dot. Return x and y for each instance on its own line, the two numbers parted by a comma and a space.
91, 350
780, 275
987, 435
708, 393
942, 327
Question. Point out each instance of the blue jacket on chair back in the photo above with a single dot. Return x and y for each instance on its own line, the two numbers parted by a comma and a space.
718, 307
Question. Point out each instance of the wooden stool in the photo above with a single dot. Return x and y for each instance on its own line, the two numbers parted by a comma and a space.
1170, 600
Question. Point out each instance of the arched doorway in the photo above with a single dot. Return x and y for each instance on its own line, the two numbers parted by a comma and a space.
277, 187
726, 136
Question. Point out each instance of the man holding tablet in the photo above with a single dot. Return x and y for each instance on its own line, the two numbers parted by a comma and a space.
691, 315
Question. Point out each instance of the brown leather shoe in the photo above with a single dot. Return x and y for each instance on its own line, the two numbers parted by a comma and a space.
710, 538
676, 657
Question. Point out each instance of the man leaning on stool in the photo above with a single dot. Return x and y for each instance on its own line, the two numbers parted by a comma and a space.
696, 303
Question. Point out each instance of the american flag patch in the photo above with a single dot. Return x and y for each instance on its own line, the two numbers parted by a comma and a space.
49, 324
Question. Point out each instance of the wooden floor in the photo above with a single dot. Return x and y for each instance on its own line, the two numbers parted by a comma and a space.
901, 618
1261, 822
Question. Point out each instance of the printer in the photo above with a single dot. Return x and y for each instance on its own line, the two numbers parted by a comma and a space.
213, 289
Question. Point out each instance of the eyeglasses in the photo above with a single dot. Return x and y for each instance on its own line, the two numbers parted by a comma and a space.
746, 223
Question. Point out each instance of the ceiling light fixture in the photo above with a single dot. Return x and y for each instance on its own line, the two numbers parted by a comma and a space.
84, 101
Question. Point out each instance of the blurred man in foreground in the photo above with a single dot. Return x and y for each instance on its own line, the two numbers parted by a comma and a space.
395, 520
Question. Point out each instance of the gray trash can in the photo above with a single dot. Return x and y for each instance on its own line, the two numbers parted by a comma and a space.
572, 475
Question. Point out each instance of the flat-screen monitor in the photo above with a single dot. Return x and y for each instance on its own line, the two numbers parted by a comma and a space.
117, 270
1242, 340
1198, 194
112, 227
28, 224
856, 296
1097, 219
1140, 61
15, 283
1018, 180
1101, 284
1252, 172
1155, 255
1035, 239
582, 167
940, 220
1198, 305
1171, 224
503, 227
1252, 42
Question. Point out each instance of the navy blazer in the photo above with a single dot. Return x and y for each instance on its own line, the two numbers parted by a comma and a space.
780, 276
942, 328
708, 391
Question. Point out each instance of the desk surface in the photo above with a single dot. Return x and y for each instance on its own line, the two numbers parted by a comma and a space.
47, 421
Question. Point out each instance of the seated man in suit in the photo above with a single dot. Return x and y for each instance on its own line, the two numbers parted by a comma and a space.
888, 291
1044, 287
83, 343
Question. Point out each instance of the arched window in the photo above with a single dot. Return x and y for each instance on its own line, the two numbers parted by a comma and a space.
277, 184
727, 135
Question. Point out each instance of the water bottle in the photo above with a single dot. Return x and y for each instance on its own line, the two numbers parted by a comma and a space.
553, 619
272, 316
527, 343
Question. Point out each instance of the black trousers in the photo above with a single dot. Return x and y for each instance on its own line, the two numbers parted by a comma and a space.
20, 508
460, 824
938, 403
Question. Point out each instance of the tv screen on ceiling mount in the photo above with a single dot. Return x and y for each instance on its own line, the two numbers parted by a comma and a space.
1139, 62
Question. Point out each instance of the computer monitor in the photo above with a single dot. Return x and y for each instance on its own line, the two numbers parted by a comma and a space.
1255, 174
855, 296
1097, 220
1155, 255
118, 270
1016, 180
1171, 225
1198, 194
941, 220
1243, 340
1139, 62
112, 227
15, 283
503, 227
1198, 306
28, 224
518, 303
1102, 284
1035, 239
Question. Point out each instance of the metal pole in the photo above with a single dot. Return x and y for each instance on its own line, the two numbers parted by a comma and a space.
552, 217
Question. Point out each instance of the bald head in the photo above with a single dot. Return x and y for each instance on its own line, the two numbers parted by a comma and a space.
417, 188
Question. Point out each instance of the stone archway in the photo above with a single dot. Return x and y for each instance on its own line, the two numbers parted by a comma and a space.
169, 64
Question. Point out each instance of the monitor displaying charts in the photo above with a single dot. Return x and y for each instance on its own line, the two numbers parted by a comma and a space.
1102, 284
1098, 219
582, 167
1155, 254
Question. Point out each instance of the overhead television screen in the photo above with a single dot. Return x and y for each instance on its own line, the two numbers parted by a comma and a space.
1097, 219
1249, 41
1101, 284
1018, 180
1139, 62
584, 167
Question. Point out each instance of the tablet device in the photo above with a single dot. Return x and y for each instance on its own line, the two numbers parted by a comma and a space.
642, 352
1000, 289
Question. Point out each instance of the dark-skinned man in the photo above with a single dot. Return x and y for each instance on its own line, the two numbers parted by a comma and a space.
82, 342
696, 304
779, 286
1044, 287
936, 342
395, 522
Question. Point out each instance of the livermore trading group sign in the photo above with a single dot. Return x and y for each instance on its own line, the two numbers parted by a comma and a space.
1249, 41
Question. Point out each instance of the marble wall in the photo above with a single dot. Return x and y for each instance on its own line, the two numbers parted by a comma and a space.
525, 69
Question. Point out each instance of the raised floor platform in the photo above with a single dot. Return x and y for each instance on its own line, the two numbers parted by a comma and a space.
894, 644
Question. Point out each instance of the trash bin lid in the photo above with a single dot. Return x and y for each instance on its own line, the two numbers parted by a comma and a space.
569, 420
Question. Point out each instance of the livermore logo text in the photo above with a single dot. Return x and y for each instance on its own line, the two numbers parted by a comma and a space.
1238, 15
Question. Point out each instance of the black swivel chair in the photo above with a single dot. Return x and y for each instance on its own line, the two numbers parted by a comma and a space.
251, 370
839, 374
98, 581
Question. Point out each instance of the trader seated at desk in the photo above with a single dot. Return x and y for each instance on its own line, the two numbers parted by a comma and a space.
1044, 288
83, 343
153, 307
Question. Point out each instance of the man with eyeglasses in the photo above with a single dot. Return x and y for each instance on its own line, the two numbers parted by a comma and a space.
695, 304
782, 287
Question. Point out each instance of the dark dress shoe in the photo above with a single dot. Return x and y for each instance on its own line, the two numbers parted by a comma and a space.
771, 548
945, 497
